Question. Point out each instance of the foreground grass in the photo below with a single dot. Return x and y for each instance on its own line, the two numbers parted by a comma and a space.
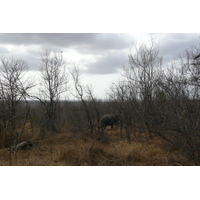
77, 150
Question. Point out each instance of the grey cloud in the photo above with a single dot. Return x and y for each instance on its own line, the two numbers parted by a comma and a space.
107, 48
106, 41
174, 44
83, 42
96, 44
32, 57
33, 61
108, 64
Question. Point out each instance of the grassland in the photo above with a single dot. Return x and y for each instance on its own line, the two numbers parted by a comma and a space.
69, 149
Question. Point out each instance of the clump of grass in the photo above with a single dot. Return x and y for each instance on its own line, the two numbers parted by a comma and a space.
69, 156
97, 154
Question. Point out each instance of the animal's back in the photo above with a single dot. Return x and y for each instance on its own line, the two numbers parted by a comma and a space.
109, 119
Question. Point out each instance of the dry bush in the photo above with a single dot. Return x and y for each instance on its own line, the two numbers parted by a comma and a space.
116, 153
80, 150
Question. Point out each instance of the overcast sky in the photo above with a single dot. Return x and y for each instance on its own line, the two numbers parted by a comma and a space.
100, 56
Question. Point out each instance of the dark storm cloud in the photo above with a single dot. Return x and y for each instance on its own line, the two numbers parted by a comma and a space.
108, 64
83, 42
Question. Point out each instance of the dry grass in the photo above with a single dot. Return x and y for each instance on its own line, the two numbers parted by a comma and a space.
77, 150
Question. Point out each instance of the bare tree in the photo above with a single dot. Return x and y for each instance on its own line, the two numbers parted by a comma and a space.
54, 82
181, 86
136, 92
94, 106
14, 88
75, 72
144, 66
119, 94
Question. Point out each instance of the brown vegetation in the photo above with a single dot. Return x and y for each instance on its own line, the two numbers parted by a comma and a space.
80, 150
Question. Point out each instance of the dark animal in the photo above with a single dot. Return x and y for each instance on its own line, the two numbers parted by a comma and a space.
110, 120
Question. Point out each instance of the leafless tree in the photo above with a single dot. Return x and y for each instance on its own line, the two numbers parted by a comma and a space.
14, 88
137, 91
143, 72
119, 94
80, 89
94, 106
54, 82
181, 87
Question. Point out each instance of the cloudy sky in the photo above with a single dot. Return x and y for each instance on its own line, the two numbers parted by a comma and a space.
100, 56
